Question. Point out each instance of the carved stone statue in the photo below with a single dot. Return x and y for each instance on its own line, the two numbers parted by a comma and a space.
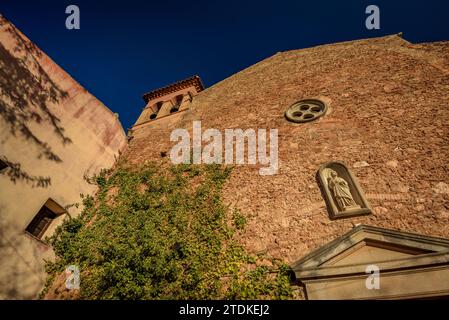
341, 192
343, 195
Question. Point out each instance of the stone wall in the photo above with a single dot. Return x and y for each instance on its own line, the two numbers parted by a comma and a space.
387, 120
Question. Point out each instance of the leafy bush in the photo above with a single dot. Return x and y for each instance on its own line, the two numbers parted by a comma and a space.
163, 233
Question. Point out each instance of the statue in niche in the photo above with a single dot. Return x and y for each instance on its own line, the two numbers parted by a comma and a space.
340, 190
343, 195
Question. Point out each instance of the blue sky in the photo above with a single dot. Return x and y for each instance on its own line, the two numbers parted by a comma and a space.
126, 48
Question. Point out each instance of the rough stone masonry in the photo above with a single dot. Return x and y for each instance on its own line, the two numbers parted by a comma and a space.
387, 120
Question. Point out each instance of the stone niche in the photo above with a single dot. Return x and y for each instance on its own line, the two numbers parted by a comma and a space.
341, 191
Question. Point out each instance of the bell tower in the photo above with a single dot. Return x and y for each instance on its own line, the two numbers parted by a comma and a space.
174, 98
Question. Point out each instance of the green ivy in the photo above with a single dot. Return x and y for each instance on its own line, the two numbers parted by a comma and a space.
159, 232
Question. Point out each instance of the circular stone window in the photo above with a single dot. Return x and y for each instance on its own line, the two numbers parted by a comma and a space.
306, 110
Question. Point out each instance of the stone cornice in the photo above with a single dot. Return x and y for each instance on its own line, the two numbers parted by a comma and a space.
192, 81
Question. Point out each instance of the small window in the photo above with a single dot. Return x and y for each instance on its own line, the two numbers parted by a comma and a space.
178, 102
40, 223
156, 108
306, 110
3, 165
179, 99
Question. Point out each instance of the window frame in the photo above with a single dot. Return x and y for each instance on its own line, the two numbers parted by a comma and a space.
50, 209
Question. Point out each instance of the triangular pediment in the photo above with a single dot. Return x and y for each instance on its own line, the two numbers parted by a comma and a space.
365, 253
366, 245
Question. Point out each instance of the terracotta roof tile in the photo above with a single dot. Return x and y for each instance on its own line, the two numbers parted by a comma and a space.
195, 81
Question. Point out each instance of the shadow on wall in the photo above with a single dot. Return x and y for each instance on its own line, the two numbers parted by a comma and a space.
15, 173
20, 279
323, 195
25, 92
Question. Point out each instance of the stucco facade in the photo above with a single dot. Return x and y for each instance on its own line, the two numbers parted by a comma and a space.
52, 134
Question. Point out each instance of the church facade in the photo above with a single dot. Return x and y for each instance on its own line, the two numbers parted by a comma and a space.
360, 204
